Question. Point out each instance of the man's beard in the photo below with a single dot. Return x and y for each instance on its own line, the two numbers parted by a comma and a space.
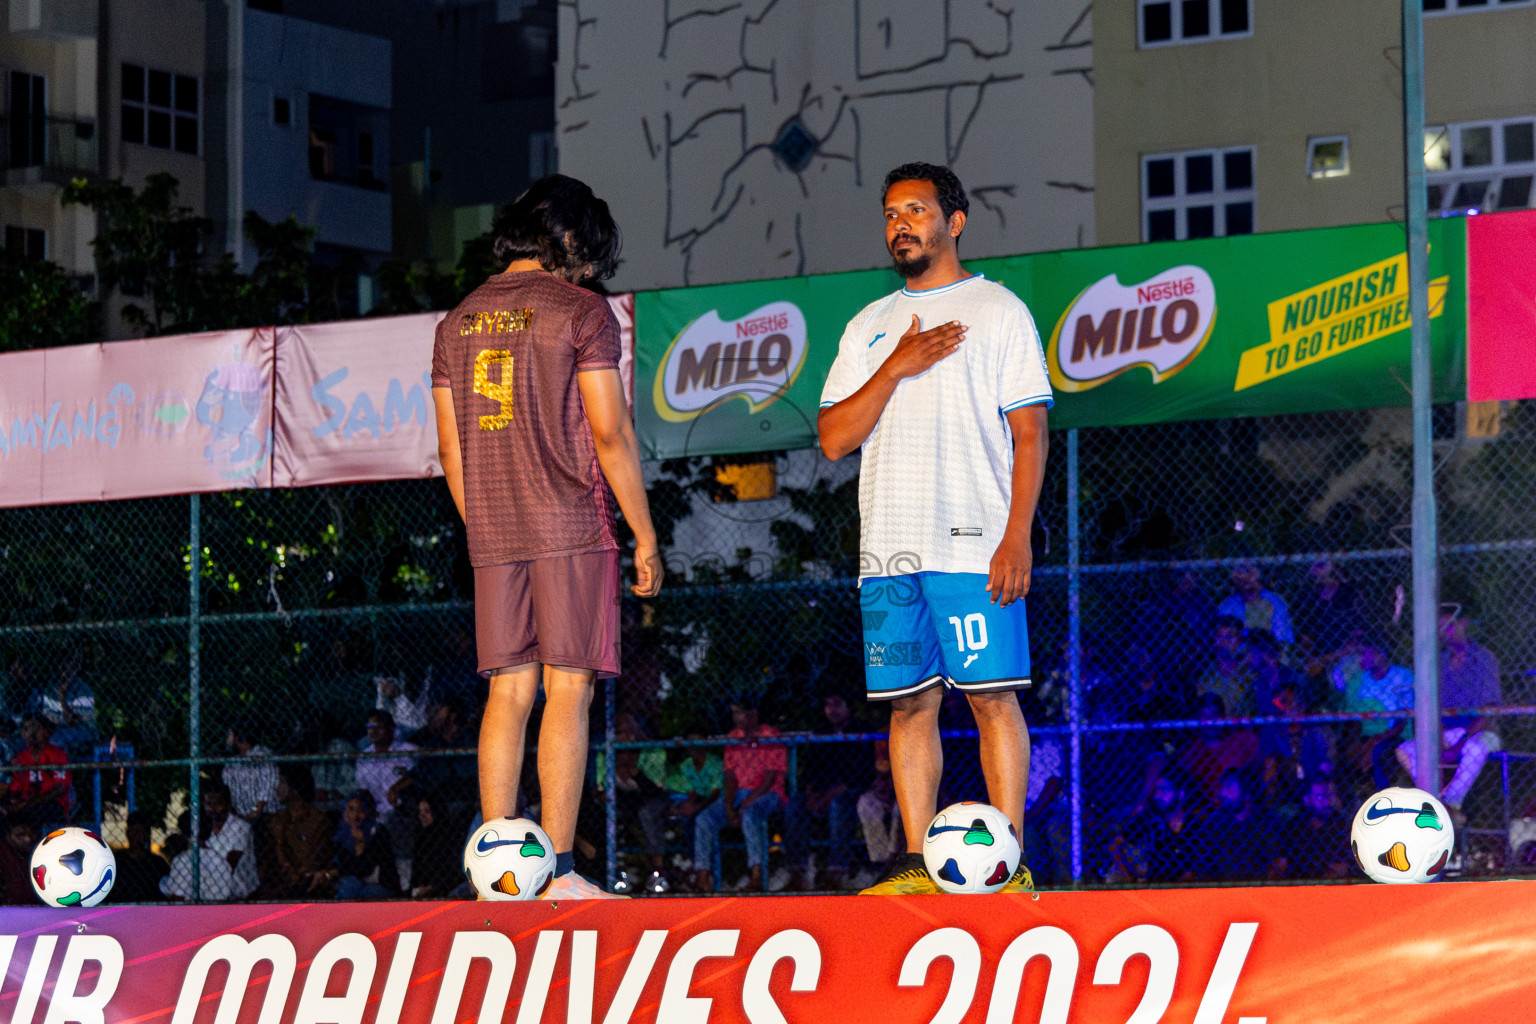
916, 263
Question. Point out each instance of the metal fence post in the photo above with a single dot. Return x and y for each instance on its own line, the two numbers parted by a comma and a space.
194, 688
610, 783
1074, 655
1426, 541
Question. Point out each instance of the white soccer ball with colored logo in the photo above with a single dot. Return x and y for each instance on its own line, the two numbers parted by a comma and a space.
1402, 835
73, 867
971, 848
509, 859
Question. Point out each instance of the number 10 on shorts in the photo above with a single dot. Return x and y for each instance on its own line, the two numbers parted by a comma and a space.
970, 633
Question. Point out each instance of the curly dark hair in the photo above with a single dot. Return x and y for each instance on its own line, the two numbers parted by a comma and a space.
560, 223
951, 193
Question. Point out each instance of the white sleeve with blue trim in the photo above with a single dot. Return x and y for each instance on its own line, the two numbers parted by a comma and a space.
849, 372
1021, 379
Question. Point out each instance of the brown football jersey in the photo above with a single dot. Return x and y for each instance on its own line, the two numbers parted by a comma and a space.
510, 353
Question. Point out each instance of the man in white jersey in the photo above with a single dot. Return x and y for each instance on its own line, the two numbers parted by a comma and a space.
943, 386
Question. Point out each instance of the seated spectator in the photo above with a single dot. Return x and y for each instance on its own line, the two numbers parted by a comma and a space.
1235, 842
1215, 751
640, 786
1319, 847
383, 778
1047, 816
68, 705
44, 788
880, 814
409, 716
1268, 676
753, 791
1469, 679
301, 837
1228, 674
1292, 754
252, 787
1329, 617
228, 861
364, 866
139, 868
437, 863
1368, 681
22, 834
453, 780
833, 774
694, 783
1153, 845
1255, 607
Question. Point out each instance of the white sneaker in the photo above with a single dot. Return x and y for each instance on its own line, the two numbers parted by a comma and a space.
573, 887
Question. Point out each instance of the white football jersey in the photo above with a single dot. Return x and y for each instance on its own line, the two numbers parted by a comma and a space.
937, 469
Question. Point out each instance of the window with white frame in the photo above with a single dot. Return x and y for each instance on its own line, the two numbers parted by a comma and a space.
1480, 165
1168, 22
1202, 193
1328, 156
1463, 6
160, 109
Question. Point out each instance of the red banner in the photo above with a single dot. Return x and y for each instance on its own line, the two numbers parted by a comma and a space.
1320, 955
1501, 306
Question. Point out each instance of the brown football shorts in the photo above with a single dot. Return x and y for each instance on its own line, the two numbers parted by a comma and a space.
561, 611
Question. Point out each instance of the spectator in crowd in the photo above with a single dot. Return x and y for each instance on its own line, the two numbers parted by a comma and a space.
252, 787
44, 787
1469, 679
880, 814
1047, 817
640, 778
437, 864
1174, 623
301, 837
1319, 847
1254, 606
1228, 675
1292, 754
139, 868
1153, 845
833, 775
1234, 843
335, 778
1368, 681
22, 834
68, 705
410, 716
228, 861
1329, 616
753, 791
11, 743
454, 780
384, 778
364, 866
1216, 751
1269, 676
695, 783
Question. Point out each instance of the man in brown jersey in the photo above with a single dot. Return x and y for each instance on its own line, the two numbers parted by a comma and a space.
536, 441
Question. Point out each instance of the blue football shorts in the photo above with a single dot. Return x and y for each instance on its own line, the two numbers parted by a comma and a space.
925, 629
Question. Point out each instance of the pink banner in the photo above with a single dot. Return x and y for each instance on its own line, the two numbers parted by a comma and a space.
1501, 301
133, 419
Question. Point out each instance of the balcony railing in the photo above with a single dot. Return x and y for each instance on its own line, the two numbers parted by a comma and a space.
47, 150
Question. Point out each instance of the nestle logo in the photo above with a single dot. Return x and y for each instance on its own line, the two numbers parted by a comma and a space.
1162, 291
751, 327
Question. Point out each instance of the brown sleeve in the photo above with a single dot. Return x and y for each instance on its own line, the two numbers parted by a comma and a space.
595, 334
440, 354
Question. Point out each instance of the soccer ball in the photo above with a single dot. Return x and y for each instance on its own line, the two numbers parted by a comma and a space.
971, 848
72, 867
1402, 835
509, 859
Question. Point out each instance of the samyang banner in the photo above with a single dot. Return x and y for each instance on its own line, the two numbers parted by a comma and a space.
133, 419
1345, 954
1247, 326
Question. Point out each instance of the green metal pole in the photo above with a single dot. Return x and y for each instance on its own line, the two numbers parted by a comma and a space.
1426, 541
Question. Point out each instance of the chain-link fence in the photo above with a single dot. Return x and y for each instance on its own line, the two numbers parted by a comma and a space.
1219, 622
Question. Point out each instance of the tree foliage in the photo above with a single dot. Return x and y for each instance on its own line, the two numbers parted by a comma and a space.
41, 306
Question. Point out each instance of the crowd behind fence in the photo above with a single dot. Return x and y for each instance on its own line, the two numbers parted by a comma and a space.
1219, 622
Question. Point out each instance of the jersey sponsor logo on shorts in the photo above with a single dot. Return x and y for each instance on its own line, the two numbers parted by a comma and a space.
496, 321
878, 655
755, 358
1161, 324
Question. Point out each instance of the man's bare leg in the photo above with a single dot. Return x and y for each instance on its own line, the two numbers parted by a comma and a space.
563, 751
1004, 752
502, 738
917, 761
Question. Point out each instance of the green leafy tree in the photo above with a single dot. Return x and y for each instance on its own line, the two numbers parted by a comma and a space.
41, 306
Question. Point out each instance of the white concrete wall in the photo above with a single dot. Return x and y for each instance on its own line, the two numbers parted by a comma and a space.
669, 110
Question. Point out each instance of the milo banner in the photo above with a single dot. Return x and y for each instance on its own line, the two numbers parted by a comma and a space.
1346, 954
1247, 326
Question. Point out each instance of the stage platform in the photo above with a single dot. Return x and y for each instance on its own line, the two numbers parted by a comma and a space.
1342, 954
